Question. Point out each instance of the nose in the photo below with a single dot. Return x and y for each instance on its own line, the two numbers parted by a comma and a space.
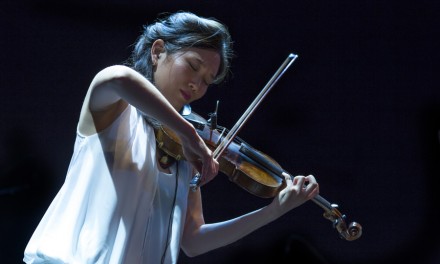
192, 86
195, 84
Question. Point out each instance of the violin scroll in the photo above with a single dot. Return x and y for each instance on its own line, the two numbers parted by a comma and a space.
351, 232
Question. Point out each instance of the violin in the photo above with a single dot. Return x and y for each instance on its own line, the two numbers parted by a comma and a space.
251, 169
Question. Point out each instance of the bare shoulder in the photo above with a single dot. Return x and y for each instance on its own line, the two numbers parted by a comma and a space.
101, 104
109, 73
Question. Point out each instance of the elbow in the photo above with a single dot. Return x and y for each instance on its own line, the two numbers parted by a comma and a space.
190, 249
193, 246
196, 248
192, 252
189, 253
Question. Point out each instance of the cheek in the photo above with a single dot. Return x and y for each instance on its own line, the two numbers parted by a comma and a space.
202, 91
159, 78
179, 74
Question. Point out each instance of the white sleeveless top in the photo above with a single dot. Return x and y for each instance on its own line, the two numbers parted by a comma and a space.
115, 206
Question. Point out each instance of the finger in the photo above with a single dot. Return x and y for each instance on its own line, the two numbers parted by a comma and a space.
207, 167
311, 181
206, 158
214, 168
211, 167
310, 178
313, 193
312, 188
287, 179
299, 180
197, 165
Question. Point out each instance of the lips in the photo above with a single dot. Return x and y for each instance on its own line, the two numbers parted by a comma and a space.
185, 95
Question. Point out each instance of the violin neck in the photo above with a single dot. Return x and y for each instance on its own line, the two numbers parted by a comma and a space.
277, 170
323, 203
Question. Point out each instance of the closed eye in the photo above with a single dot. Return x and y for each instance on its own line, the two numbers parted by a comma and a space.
194, 68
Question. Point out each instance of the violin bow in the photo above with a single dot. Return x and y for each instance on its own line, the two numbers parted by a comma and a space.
351, 232
196, 180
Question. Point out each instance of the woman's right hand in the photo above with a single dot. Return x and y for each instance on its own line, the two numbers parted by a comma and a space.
200, 156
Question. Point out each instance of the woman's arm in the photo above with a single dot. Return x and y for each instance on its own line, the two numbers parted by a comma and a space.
115, 87
199, 237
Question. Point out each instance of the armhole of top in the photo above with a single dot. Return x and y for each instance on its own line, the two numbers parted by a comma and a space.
120, 109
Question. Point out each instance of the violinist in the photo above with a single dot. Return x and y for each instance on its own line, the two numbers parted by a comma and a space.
121, 202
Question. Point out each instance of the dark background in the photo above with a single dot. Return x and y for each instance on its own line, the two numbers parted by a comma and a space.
359, 109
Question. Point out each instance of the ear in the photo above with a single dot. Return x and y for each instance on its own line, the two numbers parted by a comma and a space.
157, 48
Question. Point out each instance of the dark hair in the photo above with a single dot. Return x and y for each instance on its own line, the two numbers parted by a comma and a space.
183, 30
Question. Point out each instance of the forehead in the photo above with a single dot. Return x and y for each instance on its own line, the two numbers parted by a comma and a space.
207, 57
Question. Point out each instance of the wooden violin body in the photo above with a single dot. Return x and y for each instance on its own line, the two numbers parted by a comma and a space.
240, 169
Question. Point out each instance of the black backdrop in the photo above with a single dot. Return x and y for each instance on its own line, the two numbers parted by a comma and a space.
359, 109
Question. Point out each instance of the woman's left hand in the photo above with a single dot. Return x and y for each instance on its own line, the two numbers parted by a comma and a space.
298, 190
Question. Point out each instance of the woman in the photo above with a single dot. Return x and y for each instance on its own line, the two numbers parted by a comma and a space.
119, 204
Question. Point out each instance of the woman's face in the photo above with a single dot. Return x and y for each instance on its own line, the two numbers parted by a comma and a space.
184, 77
